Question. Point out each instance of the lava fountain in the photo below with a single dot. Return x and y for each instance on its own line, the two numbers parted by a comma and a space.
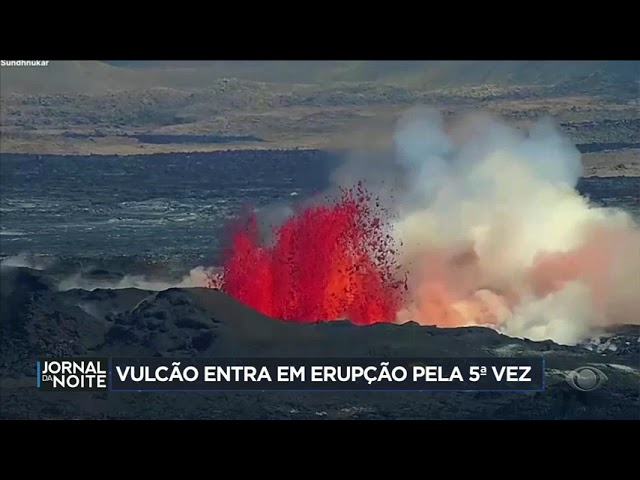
487, 228
328, 262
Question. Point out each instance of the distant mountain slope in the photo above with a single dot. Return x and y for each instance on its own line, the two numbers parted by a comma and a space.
89, 77
69, 77
424, 73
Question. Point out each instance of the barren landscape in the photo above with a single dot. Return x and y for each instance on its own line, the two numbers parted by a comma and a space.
41, 321
124, 108
295, 209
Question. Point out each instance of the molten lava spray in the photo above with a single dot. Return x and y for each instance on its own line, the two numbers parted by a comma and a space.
327, 262
485, 228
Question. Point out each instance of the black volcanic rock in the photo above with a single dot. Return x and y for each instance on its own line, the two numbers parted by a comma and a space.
22, 280
167, 323
38, 321
619, 341
104, 304
101, 274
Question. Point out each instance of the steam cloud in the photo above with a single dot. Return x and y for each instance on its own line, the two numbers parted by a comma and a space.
492, 231
27, 261
197, 277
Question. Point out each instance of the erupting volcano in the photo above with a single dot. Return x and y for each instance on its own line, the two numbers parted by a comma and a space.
485, 227
328, 262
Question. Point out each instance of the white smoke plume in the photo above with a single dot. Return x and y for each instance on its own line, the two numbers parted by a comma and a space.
26, 260
493, 231
197, 277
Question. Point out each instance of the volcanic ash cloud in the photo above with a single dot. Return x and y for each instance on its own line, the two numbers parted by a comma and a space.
493, 232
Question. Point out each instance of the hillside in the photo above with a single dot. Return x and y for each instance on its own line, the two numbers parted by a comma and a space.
68, 77
40, 321
427, 74
111, 107
99, 77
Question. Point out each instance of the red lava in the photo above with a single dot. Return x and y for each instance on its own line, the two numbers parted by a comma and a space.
328, 262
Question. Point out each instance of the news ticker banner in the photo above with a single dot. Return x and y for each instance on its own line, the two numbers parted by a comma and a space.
301, 375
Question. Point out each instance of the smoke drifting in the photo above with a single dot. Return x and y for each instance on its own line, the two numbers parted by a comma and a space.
487, 227
494, 232
27, 261
197, 277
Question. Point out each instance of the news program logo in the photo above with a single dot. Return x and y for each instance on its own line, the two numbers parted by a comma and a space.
73, 374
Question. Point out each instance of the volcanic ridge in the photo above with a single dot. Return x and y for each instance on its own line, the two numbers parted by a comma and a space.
40, 320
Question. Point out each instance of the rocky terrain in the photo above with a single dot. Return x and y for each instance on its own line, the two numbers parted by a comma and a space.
39, 320
82, 108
